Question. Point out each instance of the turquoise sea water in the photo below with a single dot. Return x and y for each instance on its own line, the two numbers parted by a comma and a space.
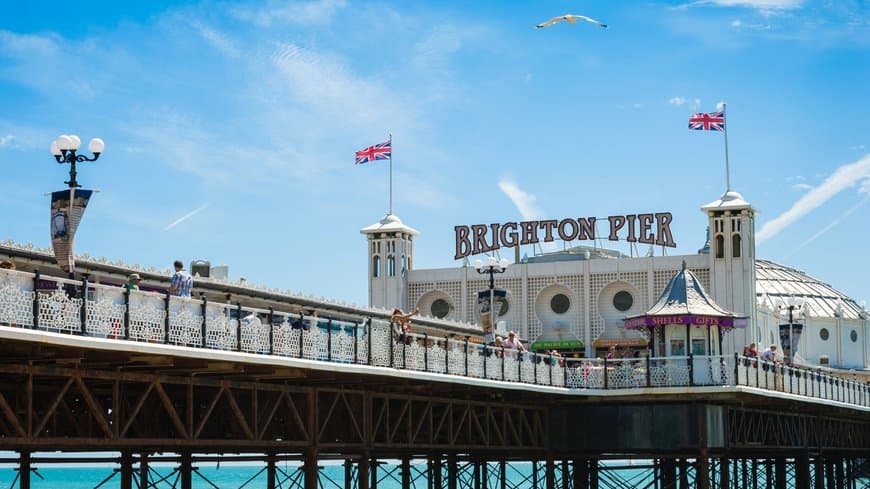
89, 477
234, 476
224, 477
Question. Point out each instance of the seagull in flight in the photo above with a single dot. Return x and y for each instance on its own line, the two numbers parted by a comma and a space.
571, 18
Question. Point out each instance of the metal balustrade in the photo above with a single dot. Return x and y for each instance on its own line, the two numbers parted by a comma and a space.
34, 301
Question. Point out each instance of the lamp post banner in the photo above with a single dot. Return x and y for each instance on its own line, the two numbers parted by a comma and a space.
67, 208
787, 339
485, 310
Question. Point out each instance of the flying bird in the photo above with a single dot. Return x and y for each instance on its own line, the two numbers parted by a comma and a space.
571, 18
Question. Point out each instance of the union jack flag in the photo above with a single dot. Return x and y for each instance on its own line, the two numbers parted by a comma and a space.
383, 151
707, 122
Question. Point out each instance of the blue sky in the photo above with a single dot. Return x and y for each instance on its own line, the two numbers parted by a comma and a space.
230, 126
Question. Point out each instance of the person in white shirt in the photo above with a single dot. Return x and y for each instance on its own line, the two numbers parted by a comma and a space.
769, 354
511, 344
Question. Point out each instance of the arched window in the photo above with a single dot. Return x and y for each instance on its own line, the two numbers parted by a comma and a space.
391, 266
376, 266
720, 246
735, 245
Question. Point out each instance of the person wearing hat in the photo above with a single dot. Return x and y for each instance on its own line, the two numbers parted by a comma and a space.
133, 281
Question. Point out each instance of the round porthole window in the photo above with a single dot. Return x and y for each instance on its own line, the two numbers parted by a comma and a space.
853, 336
560, 303
823, 334
623, 301
440, 308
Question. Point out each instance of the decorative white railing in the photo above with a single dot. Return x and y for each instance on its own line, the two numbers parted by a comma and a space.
61, 305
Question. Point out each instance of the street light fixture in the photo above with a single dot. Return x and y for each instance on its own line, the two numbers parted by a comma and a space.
791, 306
492, 267
64, 150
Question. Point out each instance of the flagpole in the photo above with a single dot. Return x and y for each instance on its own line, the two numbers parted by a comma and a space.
391, 172
727, 164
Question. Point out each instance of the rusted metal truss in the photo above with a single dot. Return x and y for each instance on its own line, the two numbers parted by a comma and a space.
754, 429
80, 409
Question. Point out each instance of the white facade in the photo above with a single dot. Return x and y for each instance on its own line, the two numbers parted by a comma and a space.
590, 291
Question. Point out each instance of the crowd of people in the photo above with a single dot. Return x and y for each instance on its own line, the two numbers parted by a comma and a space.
767, 355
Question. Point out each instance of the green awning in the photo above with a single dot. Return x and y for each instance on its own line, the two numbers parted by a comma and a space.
557, 345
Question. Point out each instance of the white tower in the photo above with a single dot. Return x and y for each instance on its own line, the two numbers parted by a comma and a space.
732, 262
391, 258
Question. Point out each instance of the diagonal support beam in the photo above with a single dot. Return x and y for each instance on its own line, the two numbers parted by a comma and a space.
207, 415
136, 409
328, 416
94, 407
52, 409
350, 413
11, 417
170, 410
399, 419
425, 416
240, 417
297, 417
268, 421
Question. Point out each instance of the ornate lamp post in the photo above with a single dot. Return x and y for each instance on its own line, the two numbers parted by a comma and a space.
64, 150
791, 307
492, 267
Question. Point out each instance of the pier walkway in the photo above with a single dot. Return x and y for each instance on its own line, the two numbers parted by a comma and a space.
90, 368
115, 318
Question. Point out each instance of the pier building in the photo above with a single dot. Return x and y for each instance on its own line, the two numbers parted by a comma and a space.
584, 293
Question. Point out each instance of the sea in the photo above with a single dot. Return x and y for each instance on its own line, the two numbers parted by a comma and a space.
244, 476
236, 475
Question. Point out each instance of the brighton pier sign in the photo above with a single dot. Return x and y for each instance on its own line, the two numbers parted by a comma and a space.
654, 229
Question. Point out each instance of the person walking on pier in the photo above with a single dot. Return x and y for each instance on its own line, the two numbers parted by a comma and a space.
182, 282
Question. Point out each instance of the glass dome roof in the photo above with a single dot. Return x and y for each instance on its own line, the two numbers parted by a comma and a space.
775, 282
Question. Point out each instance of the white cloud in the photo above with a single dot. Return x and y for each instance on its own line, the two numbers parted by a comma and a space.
758, 4
522, 200
432, 53
327, 85
832, 224
765, 6
6, 141
637, 106
735, 23
843, 177
185, 217
27, 45
680, 101
218, 40
801, 186
313, 12
720, 105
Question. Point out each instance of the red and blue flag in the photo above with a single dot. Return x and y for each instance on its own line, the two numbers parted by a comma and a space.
714, 121
383, 151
